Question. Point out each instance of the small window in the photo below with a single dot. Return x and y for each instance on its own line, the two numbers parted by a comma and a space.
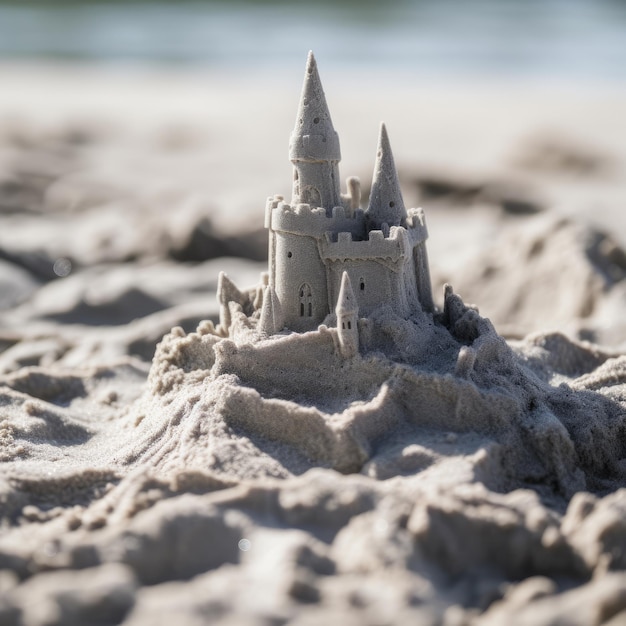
289, 255
361, 284
349, 325
343, 325
311, 195
306, 300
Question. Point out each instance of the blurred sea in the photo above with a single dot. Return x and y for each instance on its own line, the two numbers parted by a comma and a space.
570, 39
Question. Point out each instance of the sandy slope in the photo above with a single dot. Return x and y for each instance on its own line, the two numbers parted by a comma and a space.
204, 494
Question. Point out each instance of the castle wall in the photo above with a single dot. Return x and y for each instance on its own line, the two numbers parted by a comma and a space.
376, 246
313, 222
300, 281
410, 288
310, 250
373, 283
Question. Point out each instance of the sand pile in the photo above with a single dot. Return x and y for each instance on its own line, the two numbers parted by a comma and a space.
467, 481
456, 472
581, 271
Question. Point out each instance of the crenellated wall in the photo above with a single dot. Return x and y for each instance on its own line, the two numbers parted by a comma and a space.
391, 248
313, 222
310, 250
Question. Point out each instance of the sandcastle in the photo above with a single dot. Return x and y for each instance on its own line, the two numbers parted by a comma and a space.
330, 261
339, 351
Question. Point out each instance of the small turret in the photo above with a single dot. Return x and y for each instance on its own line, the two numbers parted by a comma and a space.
314, 147
386, 204
271, 320
225, 292
347, 311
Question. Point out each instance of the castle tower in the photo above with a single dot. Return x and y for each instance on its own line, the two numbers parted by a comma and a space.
386, 205
347, 316
314, 147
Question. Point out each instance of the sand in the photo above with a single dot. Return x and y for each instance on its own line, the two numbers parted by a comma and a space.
471, 471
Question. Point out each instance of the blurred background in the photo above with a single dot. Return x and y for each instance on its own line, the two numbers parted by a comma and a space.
139, 141
549, 38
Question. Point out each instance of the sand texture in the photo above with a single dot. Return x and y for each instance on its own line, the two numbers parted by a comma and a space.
466, 469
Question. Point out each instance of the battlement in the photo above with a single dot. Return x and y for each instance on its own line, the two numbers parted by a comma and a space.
394, 247
271, 203
311, 221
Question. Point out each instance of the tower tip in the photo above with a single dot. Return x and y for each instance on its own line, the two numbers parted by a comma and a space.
384, 146
346, 301
311, 65
314, 138
386, 204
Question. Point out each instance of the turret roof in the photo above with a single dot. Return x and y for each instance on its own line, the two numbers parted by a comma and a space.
271, 320
386, 203
346, 302
314, 137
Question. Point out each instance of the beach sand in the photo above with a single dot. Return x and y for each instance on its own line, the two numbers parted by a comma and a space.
197, 489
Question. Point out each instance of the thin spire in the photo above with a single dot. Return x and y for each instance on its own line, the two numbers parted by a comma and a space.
386, 203
271, 320
346, 302
314, 137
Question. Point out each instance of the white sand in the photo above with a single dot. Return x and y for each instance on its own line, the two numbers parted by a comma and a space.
226, 488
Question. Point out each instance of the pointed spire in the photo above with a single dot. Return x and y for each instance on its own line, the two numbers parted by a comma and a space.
314, 137
271, 320
346, 301
226, 289
386, 203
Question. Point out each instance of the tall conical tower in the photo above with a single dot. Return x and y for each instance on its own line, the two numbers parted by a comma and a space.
347, 311
386, 204
314, 147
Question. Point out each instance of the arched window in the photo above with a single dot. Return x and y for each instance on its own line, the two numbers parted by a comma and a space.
312, 196
306, 300
362, 284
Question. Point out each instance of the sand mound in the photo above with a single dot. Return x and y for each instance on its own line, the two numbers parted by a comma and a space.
375, 488
580, 270
460, 455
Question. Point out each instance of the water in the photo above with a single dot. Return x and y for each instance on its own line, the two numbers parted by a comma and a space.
538, 38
